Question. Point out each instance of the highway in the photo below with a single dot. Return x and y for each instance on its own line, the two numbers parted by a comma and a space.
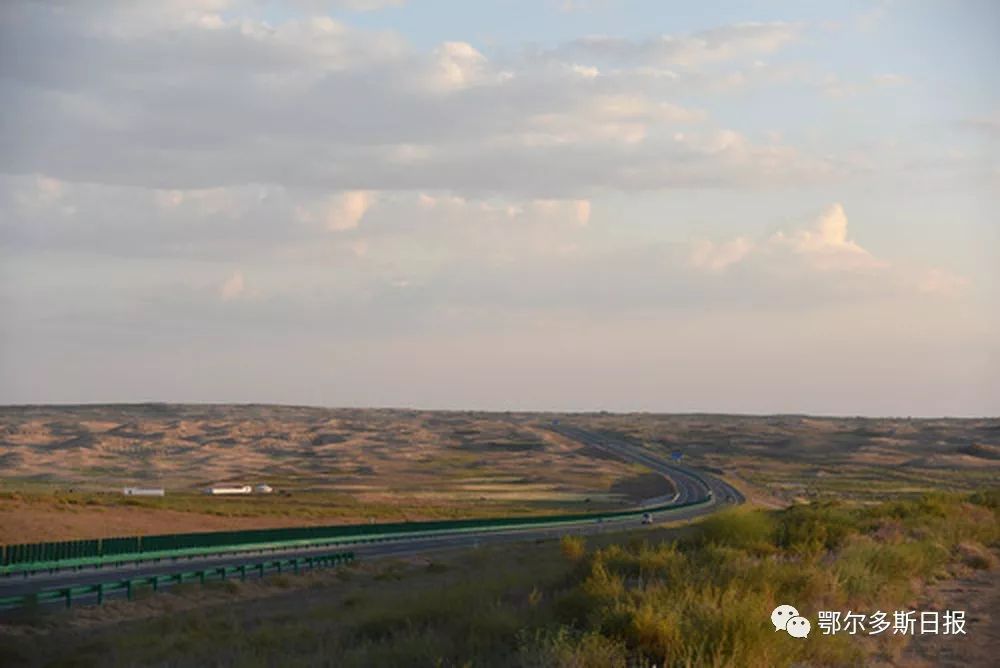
692, 487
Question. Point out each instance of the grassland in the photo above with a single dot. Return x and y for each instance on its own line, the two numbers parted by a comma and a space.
694, 596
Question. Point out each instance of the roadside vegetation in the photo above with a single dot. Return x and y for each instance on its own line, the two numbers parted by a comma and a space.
310, 505
33, 516
38, 512
691, 596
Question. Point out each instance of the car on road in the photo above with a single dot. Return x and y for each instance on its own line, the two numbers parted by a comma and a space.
647, 518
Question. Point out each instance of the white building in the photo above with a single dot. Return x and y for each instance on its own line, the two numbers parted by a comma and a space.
228, 489
143, 491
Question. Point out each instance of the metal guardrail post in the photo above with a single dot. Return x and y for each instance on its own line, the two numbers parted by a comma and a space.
66, 594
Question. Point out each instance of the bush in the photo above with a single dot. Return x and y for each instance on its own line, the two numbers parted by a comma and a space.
565, 649
988, 498
573, 547
809, 529
738, 528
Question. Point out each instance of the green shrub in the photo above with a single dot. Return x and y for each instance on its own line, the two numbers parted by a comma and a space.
987, 498
738, 528
809, 529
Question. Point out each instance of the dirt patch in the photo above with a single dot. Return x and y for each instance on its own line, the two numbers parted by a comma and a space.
979, 596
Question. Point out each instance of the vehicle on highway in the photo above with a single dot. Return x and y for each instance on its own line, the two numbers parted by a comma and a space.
647, 518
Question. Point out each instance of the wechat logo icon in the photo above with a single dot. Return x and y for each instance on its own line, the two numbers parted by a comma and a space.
786, 618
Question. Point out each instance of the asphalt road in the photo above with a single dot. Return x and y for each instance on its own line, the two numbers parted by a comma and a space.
691, 486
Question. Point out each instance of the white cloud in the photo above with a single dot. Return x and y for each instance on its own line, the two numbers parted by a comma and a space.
168, 199
823, 251
348, 212
229, 202
304, 103
551, 210
640, 108
826, 243
823, 245
185, 136
457, 65
586, 71
338, 212
715, 257
233, 287
498, 210
49, 189
44, 194
568, 129
426, 201
709, 46
324, 6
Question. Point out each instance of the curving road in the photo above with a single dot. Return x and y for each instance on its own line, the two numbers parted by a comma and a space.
691, 487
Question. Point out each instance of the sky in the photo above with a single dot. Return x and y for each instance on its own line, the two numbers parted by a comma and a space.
749, 207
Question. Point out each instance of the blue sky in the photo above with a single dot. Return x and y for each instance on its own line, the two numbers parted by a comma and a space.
743, 206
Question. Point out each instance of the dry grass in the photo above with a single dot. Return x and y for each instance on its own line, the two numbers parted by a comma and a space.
63, 468
792, 458
695, 596
350, 465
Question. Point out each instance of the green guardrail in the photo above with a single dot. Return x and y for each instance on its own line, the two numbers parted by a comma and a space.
33, 557
130, 585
